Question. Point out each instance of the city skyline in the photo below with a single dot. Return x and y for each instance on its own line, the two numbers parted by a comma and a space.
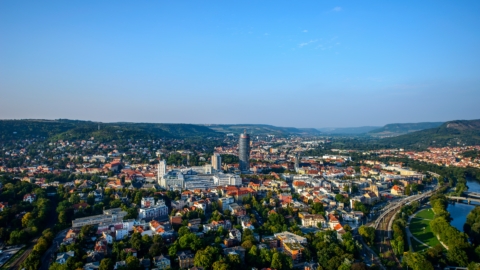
342, 64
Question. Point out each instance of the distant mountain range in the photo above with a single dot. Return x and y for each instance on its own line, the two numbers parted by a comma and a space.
391, 130
259, 129
452, 133
348, 130
393, 135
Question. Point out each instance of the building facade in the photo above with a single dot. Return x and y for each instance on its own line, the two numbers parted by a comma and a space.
162, 170
244, 151
159, 210
217, 162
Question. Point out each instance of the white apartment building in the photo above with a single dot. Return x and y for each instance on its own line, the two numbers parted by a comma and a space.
225, 202
159, 210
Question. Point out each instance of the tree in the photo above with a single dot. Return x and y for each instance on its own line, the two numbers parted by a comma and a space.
368, 234
26, 219
41, 246
106, 264
252, 256
205, 258
359, 266
32, 262
155, 250
234, 261
183, 231
458, 256
276, 261
220, 265
133, 263
173, 249
417, 261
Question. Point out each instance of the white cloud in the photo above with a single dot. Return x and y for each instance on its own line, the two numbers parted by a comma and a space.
337, 9
306, 43
305, 31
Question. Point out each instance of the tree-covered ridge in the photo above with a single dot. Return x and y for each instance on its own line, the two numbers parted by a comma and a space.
84, 130
453, 133
403, 128
257, 129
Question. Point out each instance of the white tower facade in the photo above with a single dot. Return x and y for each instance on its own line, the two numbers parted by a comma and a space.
162, 170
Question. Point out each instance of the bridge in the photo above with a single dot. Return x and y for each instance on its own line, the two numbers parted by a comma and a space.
472, 194
458, 199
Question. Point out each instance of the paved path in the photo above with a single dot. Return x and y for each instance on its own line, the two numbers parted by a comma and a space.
409, 233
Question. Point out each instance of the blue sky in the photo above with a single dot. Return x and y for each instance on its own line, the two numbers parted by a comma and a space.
286, 63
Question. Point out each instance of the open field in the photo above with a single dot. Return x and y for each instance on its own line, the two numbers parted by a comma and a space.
417, 247
426, 214
420, 228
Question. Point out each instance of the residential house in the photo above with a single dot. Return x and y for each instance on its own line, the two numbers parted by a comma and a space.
185, 259
237, 210
3, 205
120, 265
397, 190
238, 250
313, 221
29, 197
63, 257
91, 266
161, 262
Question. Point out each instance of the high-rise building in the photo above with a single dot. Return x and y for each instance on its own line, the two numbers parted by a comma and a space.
244, 151
297, 162
162, 169
217, 161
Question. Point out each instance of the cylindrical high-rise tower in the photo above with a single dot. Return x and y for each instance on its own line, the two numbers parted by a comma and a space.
244, 151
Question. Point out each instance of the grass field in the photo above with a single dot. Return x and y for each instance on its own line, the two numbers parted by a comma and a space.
420, 228
426, 214
417, 247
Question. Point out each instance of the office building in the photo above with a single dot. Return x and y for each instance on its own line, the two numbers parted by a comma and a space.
162, 169
217, 162
244, 151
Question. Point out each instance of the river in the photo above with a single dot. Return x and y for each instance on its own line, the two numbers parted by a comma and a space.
459, 211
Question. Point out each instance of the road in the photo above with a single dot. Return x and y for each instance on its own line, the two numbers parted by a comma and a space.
368, 255
52, 249
383, 224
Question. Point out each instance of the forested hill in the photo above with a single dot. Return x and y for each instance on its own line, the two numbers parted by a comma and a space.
257, 129
73, 130
452, 133
391, 130
348, 130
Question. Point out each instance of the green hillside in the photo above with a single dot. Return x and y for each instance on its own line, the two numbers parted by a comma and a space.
254, 129
452, 133
348, 130
391, 130
74, 130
